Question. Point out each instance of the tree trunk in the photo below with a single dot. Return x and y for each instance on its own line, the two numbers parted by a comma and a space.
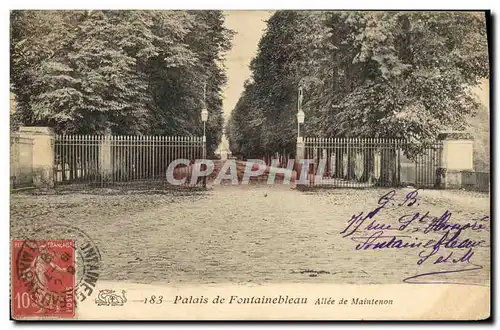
351, 164
388, 173
339, 163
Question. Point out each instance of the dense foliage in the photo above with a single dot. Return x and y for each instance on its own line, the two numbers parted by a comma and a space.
364, 74
128, 72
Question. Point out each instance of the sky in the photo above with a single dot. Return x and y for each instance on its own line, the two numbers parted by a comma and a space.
249, 27
483, 92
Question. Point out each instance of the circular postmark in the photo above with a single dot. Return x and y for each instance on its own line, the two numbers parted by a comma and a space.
58, 266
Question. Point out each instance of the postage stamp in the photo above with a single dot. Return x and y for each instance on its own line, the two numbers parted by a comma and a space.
51, 276
43, 278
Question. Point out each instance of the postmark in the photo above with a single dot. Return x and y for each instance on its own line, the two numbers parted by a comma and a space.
55, 265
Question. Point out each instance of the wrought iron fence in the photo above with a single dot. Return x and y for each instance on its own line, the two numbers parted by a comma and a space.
483, 181
476, 181
359, 162
104, 159
21, 162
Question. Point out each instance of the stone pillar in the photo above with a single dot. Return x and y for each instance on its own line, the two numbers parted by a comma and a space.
105, 165
299, 157
301, 149
43, 154
457, 158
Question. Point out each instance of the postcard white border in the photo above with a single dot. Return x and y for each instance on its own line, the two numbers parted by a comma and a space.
191, 4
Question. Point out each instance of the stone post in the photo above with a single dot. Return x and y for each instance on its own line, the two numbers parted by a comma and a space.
301, 148
43, 154
299, 157
457, 159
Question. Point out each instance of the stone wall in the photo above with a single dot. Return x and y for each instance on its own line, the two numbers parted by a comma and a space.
21, 161
42, 155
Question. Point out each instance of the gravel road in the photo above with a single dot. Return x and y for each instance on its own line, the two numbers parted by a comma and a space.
256, 233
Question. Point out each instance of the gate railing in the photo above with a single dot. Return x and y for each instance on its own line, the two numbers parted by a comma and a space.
105, 159
364, 162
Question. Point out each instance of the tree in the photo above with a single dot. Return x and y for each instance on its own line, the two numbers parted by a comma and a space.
277, 70
211, 40
131, 72
245, 126
418, 69
368, 74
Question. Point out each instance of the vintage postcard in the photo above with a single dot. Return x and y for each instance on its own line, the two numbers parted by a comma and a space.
249, 165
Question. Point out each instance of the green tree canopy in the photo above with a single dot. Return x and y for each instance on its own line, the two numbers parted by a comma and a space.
364, 74
131, 72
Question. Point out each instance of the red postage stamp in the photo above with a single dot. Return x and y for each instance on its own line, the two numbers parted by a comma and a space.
43, 279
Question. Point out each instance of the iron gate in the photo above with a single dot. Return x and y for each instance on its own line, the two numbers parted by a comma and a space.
104, 159
360, 162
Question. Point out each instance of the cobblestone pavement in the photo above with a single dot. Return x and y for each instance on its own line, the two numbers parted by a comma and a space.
258, 234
